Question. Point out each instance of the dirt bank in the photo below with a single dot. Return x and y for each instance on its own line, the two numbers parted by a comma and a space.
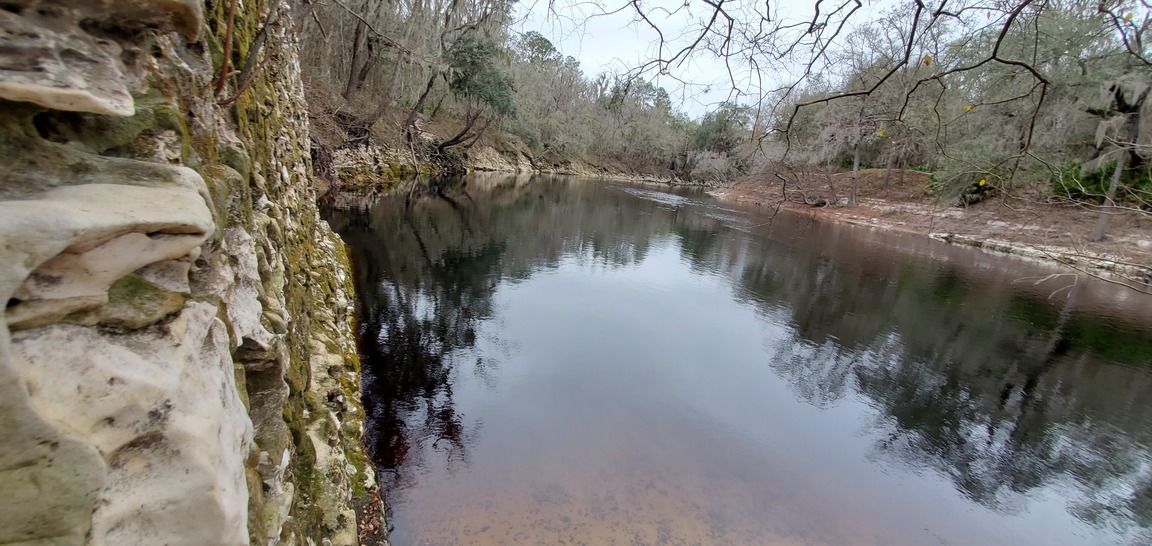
1025, 223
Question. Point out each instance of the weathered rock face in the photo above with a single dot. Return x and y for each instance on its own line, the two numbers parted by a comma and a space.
176, 355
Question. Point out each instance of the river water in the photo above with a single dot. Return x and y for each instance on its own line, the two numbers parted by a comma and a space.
564, 361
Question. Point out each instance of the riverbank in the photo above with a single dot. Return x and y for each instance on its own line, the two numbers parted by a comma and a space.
1022, 224
351, 159
379, 168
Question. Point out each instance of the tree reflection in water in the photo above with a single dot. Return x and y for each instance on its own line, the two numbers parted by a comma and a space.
971, 388
418, 314
427, 261
993, 386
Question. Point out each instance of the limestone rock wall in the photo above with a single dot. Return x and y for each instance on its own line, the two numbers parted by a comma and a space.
177, 363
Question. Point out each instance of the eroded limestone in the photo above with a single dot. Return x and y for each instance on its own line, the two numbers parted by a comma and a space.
163, 413
149, 307
50, 59
65, 248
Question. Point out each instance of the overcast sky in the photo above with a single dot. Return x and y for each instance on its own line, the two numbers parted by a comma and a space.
619, 42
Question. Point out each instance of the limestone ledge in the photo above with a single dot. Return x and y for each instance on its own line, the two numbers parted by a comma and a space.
365, 171
177, 363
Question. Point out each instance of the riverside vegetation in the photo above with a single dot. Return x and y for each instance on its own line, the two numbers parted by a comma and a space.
166, 146
1039, 105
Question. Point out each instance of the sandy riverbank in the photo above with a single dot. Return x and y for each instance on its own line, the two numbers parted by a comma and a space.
1024, 225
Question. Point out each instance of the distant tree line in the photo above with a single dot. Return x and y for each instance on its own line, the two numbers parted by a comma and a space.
457, 62
1037, 98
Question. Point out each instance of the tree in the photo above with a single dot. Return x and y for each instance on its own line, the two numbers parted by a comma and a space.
535, 48
722, 129
348, 41
992, 78
480, 85
1123, 122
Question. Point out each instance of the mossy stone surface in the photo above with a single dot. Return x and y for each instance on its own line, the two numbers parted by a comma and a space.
134, 302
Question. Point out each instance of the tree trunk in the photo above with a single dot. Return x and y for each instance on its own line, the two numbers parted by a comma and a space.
469, 121
831, 188
436, 109
888, 170
408, 123
386, 100
1129, 132
1109, 199
855, 172
856, 157
393, 81
359, 59
472, 140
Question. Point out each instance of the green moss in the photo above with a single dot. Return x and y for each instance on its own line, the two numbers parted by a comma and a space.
167, 115
256, 531
350, 385
134, 302
223, 185
284, 255
237, 158
241, 376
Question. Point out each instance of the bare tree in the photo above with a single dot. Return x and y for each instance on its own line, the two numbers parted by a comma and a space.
1128, 98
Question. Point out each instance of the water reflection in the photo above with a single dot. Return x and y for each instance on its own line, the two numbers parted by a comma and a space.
581, 361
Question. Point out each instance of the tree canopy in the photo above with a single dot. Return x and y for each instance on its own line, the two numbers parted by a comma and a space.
991, 96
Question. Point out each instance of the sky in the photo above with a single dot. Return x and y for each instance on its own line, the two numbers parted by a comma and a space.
619, 41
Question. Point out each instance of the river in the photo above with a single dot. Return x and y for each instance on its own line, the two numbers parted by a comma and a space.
566, 361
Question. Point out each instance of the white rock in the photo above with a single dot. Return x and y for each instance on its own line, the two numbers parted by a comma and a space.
163, 412
171, 274
53, 475
51, 62
235, 276
74, 242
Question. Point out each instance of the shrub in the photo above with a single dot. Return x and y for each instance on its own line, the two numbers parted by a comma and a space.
1073, 183
961, 189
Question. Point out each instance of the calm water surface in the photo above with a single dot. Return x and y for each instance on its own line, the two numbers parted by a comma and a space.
557, 361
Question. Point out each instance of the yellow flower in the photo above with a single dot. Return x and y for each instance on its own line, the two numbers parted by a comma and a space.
880, 132
982, 181
968, 108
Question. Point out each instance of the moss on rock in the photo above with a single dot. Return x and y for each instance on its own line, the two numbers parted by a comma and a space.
134, 302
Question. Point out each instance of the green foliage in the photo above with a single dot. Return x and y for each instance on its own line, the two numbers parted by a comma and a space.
535, 48
527, 133
1073, 183
722, 129
629, 92
961, 189
474, 74
846, 163
1077, 185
